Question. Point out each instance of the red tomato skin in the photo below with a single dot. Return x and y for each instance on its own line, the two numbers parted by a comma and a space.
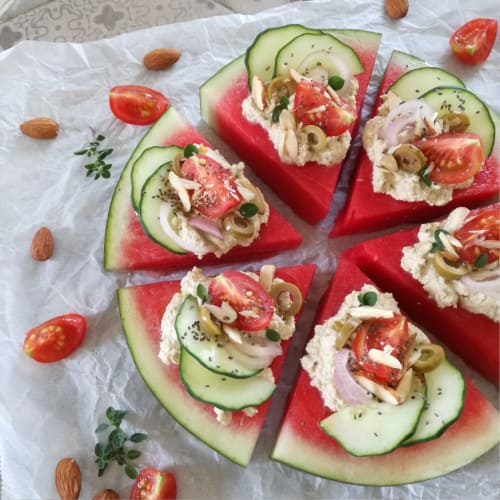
474, 40
222, 194
45, 344
137, 105
376, 334
243, 293
153, 484
456, 156
488, 220
334, 120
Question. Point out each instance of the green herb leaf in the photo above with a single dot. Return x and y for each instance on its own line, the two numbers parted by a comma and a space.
272, 335
138, 437
481, 260
276, 114
284, 101
115, 416
336, 82
248, 210
81, 152
133, 454
117, 438
202, 293
130, 471
424, 177
190, 150
367, 298
98, 167
101, 427
438, 244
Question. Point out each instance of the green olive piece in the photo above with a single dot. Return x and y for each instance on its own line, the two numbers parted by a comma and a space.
207, 324
456, 122
238, 225
292, 305
316, 138
281, 85
409, 158
176, 163
431, 357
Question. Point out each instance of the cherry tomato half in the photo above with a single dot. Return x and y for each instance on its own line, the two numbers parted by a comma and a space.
472, 42
457, 156
218, 192
484, 225
137, 105
243, 294
55, 339
152, 484
377, 333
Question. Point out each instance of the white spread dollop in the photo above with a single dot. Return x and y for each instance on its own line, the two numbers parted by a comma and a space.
418, 261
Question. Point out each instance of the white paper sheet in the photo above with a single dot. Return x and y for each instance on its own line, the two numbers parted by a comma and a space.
50, 411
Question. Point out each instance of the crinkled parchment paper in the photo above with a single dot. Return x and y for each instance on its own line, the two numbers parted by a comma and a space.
50, 411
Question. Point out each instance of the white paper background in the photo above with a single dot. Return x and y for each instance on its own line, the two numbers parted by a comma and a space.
50, 411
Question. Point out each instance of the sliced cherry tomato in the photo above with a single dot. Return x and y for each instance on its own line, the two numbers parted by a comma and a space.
137, 105
457, 157
314, 106
245, 295
152, 484
56, 338
218, 193
485, 225
377, 333
472, 42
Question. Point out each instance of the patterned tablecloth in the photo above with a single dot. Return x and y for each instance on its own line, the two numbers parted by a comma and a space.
84, 20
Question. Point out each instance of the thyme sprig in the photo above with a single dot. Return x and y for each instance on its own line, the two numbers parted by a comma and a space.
114, 450
98, 167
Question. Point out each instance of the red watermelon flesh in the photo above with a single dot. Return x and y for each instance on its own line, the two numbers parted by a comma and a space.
367, 211
141, 311
308, 190
474, 337
128, 248
302, 444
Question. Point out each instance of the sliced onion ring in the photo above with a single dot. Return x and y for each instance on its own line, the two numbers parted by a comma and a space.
490, 288
207, 226
347, 387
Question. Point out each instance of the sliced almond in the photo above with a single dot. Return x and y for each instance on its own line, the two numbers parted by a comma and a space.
287, 120
404, 386
289, 146
42, 244
224, 312
384, 358
383, 392
159, 59
258, 93
233, 333
367, 312
40, 128
266, 276
181, 186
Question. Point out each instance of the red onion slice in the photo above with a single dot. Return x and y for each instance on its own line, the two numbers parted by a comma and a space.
207, 226
490, 287
347, 387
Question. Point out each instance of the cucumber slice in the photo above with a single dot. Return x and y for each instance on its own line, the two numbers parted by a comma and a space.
444, 403
145, 165
418, 81
378, 428
445, 99
210, 351
149, 210
311, 52
222, 391
260, 56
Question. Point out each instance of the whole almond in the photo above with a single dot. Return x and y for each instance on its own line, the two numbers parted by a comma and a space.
68, 479
396, 9
159, 59
40, 128
106, 495
42, 244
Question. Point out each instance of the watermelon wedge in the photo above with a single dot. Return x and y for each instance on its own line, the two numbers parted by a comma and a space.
141, 311
302, 444
367, 211
474, 337
128, 248
307, 190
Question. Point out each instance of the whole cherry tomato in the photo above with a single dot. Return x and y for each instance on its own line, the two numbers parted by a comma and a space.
472, 42
137, 105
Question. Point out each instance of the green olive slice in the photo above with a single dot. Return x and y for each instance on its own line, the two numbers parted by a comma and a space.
177, 163
238, 225
446, 270
456, 122
287, 298
207, 324
431, 356
316, 138
409, 158
280, 85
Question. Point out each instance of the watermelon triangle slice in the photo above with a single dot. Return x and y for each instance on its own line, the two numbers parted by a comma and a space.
367, 211
303, 445
128, 248
141, 311
474, 337
307, 190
